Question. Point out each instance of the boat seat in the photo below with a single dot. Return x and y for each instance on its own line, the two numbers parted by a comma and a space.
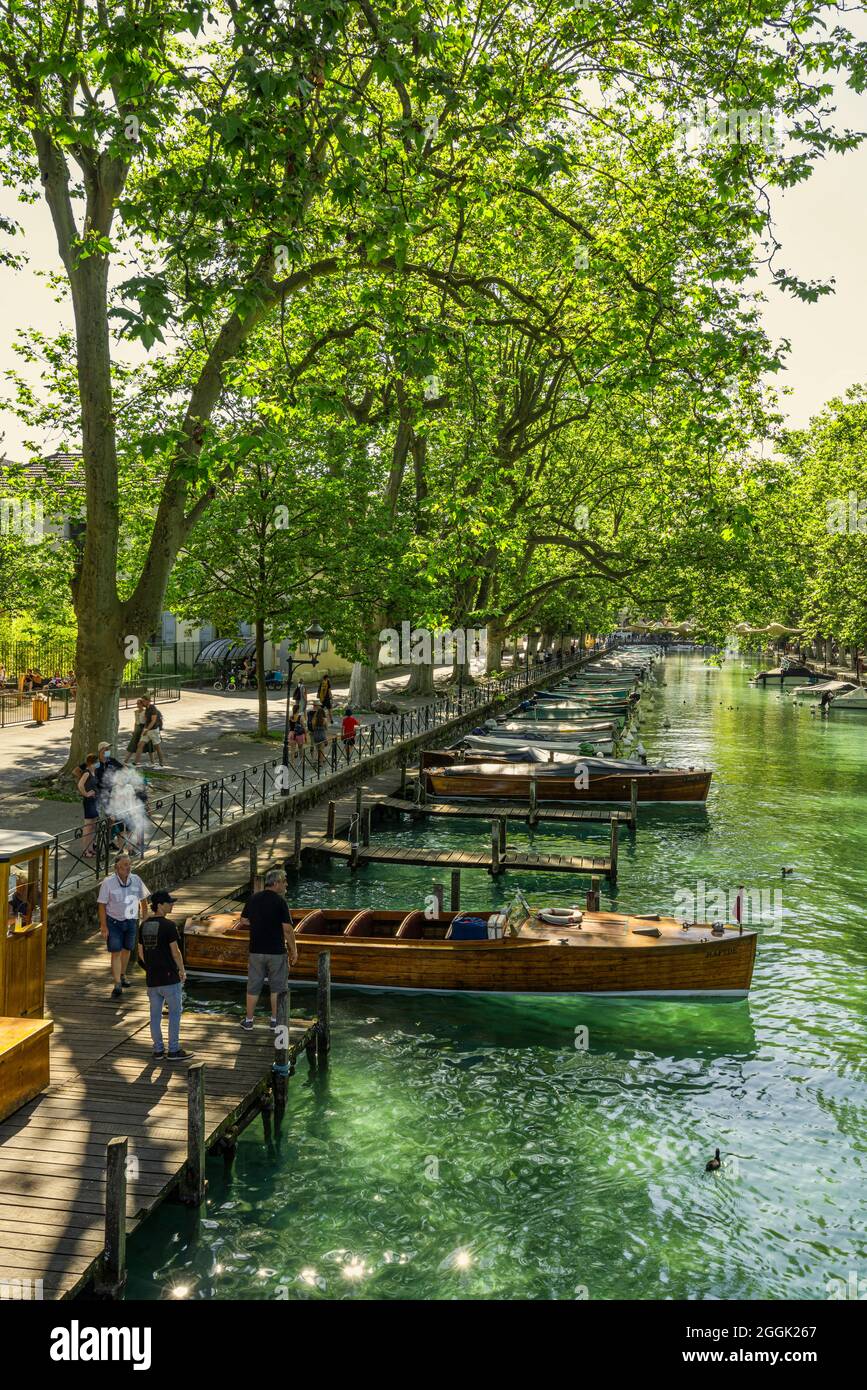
412, 926
356, 927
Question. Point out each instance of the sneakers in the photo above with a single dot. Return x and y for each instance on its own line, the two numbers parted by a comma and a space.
272, 1024
247, 1025
124, 982
159, 1056
116, 992
179, 1056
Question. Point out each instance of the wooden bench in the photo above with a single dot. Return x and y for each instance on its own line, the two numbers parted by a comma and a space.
24, 1066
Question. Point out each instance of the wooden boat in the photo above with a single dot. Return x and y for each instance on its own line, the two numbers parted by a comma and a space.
606, 780
511, 747
552, 732
609, 953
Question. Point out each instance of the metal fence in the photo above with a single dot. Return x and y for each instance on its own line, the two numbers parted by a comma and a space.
183, 815
18, 708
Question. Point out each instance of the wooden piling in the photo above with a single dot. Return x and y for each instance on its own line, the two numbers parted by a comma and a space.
299, 841
403, 777
358, 801
323, 1007
502, 824
534, 793
438, 892
496, 827
111, 1279
193, 1183
633, 804
366, 816
592, 903
256, 881
332, 817
615, 835
455, 898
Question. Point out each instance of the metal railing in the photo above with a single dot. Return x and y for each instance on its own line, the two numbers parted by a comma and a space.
184, 815
17, 708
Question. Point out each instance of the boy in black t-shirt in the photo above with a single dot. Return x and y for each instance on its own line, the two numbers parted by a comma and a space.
159, 951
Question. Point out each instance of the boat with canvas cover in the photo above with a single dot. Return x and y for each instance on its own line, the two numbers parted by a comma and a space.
856, 698
589, 779
551, 730
519, 952
820, 688
493, 744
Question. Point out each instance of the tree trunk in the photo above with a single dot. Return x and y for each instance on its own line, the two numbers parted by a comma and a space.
362, 682
421, 679
261, 692
99, 665
496, 645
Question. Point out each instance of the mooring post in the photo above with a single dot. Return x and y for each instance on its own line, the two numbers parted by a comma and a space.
534, 792
495, 846
111, 1279
323, 1007
422, 783
593, 896
633, 804
193, 1180
615, 834
455, 899
438, 892
267, 1112
403, 775
358, 800
299, 841
280, 1069
255, 877
366, 816
332, 817
502, 825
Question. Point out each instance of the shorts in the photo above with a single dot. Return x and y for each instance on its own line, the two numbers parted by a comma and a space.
319, 735
121, 935
298, 738
152, 738
274, 969
91, 810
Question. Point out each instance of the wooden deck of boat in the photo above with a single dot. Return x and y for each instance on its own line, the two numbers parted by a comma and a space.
461, 859
498, 810
105, 1083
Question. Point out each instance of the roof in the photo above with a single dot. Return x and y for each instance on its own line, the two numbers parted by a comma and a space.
14, 843
55, 469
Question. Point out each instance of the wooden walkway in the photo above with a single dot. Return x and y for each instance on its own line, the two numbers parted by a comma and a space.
497, 810
460, 859
105, 1083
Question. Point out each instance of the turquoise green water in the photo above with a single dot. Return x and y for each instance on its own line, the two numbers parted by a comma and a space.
466, 1148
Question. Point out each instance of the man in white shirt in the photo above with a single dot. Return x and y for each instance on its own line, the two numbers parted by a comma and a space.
120, 900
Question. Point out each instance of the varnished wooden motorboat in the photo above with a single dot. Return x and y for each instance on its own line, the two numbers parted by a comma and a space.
609, 953
606, 780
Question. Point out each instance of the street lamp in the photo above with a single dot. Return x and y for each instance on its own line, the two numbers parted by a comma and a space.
314, 634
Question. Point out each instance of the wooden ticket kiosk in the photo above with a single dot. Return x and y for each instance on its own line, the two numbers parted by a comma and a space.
24, 1032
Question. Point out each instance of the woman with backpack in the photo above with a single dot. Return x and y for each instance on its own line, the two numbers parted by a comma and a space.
318, 723
297, 733
326, 697
151, 737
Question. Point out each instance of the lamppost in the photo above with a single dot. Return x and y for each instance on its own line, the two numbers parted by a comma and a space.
314, 634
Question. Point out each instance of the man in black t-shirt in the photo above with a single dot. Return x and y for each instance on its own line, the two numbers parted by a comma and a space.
271, 938
159, 951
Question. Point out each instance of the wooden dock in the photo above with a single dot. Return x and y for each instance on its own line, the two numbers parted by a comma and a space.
497, 810
494, 863
106, 1085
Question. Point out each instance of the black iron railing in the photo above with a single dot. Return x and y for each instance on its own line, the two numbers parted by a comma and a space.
18, 707
193, 812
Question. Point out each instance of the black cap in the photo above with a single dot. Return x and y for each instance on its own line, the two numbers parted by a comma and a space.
161, 897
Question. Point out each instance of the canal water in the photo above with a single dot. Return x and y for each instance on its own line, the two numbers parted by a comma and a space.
476, 1148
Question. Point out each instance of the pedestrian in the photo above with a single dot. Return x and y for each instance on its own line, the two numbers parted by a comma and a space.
272, 946
137, 723
348, 727
318, 723
299, 696
326, 695
120, 898
297, 733
159, 952
89, 791
105, 771
151, 737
